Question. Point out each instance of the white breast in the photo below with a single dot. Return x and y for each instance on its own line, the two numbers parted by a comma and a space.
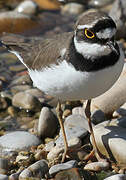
64, 82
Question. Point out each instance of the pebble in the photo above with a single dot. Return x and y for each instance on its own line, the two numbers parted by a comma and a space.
3, 177
48, 4
37, 170
21, 80
14, 176
63, 166
35, 92
99, 3
4, 166
17, 141
48, 123
14, 22
48, 147
55, 152
27, 7
78, 110
113, 98
75, 126
97, 166
111, 141
117, 177
17, 68
73, 8
72, 174
26, 101
74, 143
19, 88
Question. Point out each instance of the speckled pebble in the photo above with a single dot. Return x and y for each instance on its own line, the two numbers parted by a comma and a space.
97, 166
48, 123
63, 166
54, 153
117, 177
37, 170
18, 140
75, 126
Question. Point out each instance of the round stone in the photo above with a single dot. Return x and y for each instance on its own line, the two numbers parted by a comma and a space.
26, 101
27, 7
18, 140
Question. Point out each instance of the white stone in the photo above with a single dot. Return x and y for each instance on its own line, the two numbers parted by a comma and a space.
117, 177
97, 166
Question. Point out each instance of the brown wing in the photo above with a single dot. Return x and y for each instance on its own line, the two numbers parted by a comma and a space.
37, 52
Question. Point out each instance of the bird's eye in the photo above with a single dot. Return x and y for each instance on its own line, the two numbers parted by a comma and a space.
89, 34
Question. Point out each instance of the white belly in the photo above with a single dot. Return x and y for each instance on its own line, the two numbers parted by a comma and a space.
64, 82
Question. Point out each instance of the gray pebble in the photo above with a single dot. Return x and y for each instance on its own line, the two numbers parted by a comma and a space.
26, 101
75, 126
18, 140
47, 124
63, 166
38, 170
3, 177
117, 177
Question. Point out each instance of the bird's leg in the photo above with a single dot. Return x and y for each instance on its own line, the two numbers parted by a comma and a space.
59, 115
99, 156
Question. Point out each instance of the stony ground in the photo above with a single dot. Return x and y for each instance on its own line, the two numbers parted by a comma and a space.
31, 142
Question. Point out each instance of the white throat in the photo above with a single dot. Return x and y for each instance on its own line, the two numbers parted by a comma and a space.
91, 50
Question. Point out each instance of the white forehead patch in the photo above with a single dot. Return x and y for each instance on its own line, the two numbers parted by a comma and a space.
106, 33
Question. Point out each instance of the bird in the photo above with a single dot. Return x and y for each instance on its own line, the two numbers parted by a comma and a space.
77, 65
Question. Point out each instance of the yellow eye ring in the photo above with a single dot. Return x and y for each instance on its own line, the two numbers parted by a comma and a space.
89, 34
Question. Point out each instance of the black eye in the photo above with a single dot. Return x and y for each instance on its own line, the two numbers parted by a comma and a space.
89, 34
